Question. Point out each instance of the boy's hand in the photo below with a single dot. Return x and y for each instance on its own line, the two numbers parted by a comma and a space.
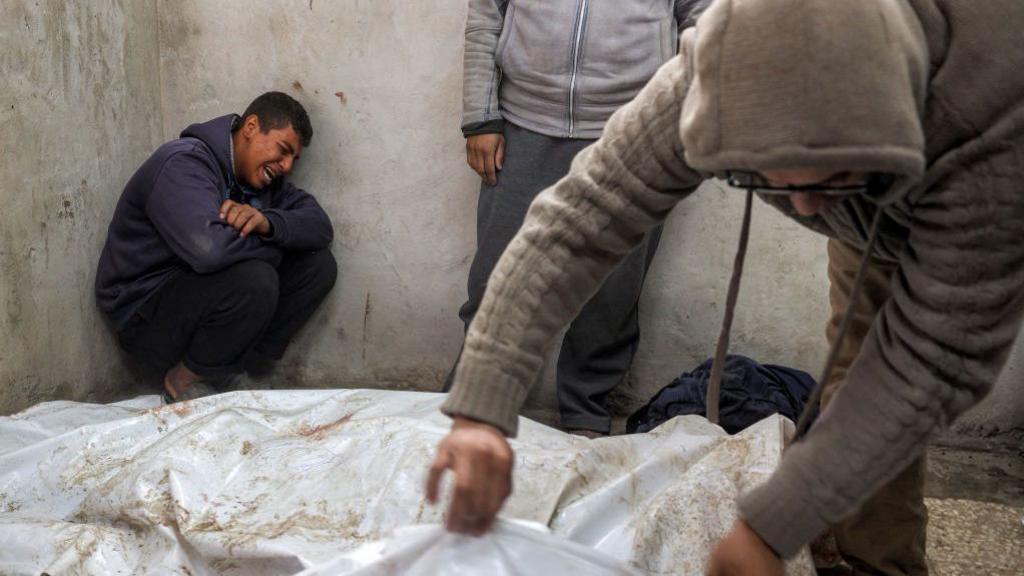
244, 218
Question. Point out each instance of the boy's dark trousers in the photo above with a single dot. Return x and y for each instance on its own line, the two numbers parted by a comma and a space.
212, 321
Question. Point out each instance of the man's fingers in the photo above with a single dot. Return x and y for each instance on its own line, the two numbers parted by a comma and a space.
478, 162
495, 490
473, 158
487, 492
490, 174
436, 472
475, 509
461, 512
481, 163
499, 155
469, 154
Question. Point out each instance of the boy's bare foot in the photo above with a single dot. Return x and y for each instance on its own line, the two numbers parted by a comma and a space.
182, 384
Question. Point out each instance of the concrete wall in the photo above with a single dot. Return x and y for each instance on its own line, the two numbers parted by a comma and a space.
79, 109
382, 82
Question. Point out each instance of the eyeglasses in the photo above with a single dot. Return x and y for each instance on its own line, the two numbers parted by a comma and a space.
874, 183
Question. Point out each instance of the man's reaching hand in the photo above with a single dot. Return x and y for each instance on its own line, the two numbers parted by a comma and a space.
481, 460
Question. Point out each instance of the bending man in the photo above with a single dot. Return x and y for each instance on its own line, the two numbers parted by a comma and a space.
877, 123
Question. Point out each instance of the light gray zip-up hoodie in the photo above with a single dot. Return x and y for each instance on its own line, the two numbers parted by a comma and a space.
562, 67
927, 90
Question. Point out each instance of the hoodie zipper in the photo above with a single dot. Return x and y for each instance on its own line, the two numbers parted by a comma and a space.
575, 66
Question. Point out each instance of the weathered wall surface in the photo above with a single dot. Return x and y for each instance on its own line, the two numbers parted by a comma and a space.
79, 109
382, 82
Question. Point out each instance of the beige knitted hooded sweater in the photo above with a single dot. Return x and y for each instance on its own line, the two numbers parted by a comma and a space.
931, 91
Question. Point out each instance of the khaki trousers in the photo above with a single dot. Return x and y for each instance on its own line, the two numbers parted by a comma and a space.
887, 534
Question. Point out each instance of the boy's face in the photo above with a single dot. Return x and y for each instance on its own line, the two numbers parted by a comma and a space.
262, 157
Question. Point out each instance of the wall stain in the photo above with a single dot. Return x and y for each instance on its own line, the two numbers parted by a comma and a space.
66, 211
366, 323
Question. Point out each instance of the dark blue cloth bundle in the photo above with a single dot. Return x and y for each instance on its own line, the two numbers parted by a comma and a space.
750, 392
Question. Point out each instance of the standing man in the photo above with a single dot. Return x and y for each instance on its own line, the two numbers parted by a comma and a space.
541, 79
883, 124
213, 260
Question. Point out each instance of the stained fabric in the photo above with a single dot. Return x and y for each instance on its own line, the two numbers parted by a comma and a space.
273, 482
750, 392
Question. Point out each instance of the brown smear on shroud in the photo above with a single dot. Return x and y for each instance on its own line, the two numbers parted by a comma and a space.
240, 532
320, 432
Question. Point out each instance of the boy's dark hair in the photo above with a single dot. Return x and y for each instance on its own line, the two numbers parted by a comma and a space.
277, 110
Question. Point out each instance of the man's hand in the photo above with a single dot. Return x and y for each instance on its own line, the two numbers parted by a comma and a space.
482, 460
244, 218
741, 552
485, 153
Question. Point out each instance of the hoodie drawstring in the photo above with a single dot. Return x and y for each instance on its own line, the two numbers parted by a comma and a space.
812, 406
722, 348
718, 365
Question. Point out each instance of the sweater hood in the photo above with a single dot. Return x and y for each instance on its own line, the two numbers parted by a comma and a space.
807, 83
216, 134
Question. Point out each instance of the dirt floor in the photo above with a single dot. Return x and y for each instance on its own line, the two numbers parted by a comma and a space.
975, 498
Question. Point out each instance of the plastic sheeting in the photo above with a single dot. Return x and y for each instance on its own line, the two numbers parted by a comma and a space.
510, 549
331, 482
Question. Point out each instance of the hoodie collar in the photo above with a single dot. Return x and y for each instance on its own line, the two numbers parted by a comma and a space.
217, 135
249, 195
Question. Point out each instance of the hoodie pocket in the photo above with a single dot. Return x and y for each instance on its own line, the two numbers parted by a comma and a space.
624, 46
536, 40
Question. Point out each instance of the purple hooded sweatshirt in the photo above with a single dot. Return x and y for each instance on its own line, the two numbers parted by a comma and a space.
167, 220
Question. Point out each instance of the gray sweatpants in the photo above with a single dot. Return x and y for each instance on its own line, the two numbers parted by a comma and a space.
599, 346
